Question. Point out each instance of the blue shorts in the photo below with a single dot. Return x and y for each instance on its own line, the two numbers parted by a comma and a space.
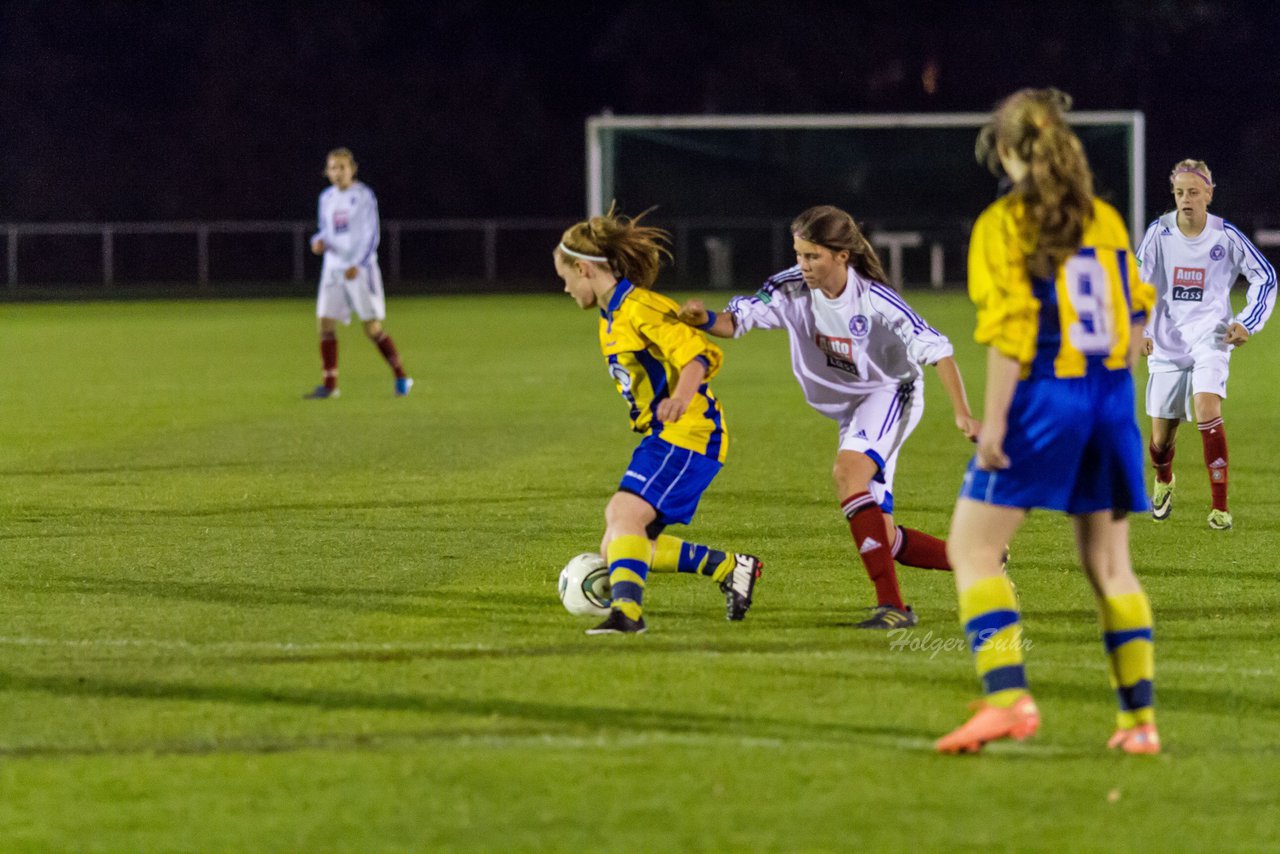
671, 479
1073, 445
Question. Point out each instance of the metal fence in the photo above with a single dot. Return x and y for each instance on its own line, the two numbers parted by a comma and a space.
500, 252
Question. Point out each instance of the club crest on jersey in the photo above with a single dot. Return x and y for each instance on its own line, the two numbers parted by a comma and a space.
341, 221
1217, 253
1188, 284
859, 326
839, 353
621, 377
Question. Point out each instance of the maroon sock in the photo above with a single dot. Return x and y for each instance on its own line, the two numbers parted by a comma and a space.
1214, 436
388, 349
1163, 462
916, 548
866, 522
329, 357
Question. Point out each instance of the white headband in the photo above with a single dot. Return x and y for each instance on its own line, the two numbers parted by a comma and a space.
599, 259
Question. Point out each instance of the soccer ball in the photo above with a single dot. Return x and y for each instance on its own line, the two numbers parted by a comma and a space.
584, 586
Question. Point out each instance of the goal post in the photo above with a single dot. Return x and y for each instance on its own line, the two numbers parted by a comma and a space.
898, 171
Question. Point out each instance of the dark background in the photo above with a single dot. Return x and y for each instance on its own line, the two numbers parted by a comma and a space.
203, 110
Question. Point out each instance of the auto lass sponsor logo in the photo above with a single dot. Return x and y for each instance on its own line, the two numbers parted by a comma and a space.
1188, 284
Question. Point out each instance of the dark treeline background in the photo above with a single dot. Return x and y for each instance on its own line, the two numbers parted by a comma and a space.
199, 110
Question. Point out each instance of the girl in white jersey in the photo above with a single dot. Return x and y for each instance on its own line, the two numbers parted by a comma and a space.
350, 280
1193, 258
857, 349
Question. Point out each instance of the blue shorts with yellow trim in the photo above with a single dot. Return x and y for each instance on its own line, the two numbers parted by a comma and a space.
671, 479
1073, 445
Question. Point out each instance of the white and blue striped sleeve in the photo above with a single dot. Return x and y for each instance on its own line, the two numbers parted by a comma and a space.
1254, 266
370, 230
1148, 253
925, 345
763, 309
319, 235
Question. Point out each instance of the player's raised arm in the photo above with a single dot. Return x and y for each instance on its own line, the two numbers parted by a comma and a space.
695, 313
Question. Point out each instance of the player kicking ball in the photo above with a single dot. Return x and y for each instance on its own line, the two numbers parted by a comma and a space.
660, 367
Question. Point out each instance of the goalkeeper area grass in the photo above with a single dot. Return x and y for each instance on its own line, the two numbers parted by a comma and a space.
236, 620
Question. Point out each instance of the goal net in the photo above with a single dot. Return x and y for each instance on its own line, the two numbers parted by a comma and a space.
728, 186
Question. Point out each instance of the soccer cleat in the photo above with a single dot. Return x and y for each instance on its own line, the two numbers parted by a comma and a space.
321, 392
889, 617
403, 384
618, 623
739, 584
1220, 520
1137, 740
989, 723
1162, 499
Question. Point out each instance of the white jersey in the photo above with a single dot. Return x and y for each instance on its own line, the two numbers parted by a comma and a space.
1193, 277
867, 339
349, 227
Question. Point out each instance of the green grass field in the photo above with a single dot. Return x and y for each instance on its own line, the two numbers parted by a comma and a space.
234, 620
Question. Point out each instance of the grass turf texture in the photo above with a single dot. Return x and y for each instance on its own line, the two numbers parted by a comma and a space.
233, 619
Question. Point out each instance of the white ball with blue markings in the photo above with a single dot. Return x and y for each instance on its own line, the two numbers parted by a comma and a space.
584, 586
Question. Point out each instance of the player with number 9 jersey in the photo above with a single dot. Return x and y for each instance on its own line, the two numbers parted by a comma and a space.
1058, 294
1071, 335
1068, 326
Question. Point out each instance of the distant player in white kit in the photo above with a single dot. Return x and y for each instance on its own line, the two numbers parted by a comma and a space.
1193, 258
350, 280
857, 349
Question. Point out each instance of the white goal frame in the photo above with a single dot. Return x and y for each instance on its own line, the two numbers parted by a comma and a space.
600, 169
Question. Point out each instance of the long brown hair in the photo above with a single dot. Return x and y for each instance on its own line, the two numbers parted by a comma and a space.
1058, 187
631, 250
835, 229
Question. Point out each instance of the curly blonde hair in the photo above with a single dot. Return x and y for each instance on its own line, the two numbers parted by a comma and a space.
1057, 190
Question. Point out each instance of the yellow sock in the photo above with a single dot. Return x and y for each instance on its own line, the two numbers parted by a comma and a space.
628, 557
672, 554
1127, 635
992, 625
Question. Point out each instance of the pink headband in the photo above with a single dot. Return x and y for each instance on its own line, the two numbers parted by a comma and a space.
1196, 172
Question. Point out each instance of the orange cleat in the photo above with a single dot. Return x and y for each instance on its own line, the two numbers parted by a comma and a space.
1019, 721
1136, 740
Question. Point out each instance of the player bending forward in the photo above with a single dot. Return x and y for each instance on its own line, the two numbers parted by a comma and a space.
857, 350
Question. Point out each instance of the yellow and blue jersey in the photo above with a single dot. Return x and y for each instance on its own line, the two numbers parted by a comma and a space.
645, 346
1064, 327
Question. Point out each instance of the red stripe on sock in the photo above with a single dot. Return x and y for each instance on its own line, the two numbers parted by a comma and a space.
866, 523
388, 349
1213, 435
921, 550
329, 358
1162, 460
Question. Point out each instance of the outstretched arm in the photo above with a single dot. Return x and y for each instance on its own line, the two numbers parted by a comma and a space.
695, 313
949, 374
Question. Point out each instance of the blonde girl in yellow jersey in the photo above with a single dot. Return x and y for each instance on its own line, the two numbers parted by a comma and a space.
1056, 286
660, 367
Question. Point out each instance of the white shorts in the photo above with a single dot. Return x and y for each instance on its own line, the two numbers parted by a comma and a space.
878, 424
339, 296
1170, 393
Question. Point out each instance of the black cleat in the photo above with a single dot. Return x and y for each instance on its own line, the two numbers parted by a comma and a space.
618, 623
889, 617
739, 585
